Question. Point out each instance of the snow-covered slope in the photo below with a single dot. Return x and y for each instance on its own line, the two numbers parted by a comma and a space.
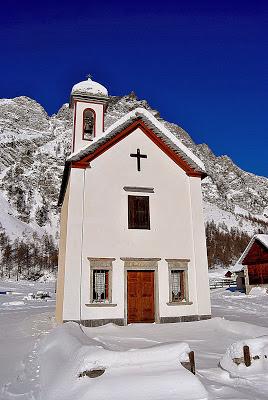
33, 147
12, 225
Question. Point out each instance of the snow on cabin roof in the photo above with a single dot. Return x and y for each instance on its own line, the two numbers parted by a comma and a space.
261, 237
89, 87
159, 129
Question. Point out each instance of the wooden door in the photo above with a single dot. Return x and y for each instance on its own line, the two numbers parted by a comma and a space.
140, 296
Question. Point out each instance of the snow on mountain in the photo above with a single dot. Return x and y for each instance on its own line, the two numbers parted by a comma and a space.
12, 225
33, 147
239, 218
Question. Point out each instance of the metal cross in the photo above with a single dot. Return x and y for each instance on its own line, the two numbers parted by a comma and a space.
138, 156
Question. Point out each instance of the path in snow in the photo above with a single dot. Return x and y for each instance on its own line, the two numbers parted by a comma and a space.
22, 325
236, 306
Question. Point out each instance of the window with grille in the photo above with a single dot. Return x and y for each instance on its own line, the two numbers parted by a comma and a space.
178, 281
88, 124
101, 286
138, 212
177, 286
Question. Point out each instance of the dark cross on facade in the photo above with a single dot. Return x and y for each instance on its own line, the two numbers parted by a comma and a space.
138, 156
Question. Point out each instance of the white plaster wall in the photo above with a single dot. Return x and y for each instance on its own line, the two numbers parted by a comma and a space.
106, 232
71, 305
200, 251
62, 254
78, 128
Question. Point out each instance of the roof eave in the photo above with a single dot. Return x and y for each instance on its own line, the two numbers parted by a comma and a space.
103, 139
87, 97
64, 182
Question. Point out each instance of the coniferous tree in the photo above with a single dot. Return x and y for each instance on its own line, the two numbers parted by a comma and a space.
7, 258
41, 214
224, 246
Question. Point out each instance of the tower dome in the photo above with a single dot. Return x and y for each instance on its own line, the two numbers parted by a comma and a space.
89, 87
88, 100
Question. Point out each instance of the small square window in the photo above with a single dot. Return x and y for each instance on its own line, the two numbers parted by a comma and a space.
138, 212
101, 285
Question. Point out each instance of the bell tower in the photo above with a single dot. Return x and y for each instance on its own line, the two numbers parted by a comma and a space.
88, 101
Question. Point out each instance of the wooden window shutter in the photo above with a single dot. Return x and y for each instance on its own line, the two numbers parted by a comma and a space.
138, 212
131, 212
106, 284
182, 285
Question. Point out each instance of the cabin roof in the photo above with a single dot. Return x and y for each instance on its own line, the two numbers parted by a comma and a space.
260, 237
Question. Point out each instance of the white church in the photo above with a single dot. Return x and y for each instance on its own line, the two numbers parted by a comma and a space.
132, 236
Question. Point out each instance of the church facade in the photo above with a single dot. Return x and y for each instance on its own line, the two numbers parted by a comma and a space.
132, 237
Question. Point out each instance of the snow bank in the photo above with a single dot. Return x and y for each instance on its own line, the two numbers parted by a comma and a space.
258, 291
47, 277
136, 374
13, 303
259, 362
39, 295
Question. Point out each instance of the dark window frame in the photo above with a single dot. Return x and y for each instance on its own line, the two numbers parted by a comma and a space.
139, 212
107, 295
94, 125
181, 266
181, 295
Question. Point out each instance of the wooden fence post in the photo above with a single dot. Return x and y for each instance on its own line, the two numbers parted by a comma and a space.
247, 359
192, 361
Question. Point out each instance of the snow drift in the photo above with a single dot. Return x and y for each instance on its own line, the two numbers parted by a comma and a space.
259, 362
136, 374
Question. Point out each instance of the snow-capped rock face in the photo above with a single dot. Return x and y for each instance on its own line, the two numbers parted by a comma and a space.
22, 114
23, 126
33, 147
230, 187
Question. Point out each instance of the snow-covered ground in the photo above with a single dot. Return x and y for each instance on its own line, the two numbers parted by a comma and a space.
24, 347
22, 323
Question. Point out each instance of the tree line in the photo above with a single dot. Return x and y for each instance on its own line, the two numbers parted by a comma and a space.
27, 258
31, 258
224, 246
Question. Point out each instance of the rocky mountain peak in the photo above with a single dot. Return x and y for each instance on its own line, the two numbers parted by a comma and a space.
33, 147
64, 113
22, 113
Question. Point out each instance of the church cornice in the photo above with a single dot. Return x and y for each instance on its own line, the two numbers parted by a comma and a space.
103, 145
152, 128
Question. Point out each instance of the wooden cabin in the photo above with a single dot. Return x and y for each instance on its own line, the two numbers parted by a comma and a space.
252, 267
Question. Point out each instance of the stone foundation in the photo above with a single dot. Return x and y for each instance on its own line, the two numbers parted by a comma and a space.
184, 318
163, 320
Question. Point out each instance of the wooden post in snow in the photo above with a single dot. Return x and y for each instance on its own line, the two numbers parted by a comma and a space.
190, 365
192, 361
246, 353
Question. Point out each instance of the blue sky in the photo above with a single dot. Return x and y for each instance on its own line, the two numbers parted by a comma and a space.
202, 64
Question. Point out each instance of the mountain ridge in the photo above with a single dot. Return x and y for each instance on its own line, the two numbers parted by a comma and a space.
34, 145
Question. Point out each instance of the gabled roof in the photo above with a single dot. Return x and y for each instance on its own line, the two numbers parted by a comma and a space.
262, 238
159, 129
138, 118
